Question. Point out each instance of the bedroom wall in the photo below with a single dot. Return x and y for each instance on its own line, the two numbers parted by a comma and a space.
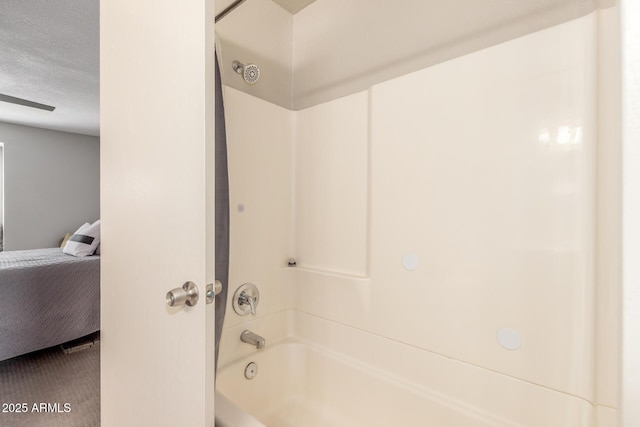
51, 184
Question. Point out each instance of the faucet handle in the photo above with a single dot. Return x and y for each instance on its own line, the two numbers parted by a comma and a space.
245, 299
252, 304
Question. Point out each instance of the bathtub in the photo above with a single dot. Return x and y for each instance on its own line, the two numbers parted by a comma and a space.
299, 384
315, 372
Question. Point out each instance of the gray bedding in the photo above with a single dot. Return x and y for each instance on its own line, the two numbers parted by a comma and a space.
46, 298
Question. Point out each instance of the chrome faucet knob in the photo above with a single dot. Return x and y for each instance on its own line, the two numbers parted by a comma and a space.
246, 299
252, 304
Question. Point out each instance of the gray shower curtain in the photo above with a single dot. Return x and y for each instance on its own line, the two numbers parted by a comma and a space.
222, 209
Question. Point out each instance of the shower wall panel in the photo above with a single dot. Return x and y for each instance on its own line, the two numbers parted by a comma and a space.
331, 192
259, 144
609, 228
450, 212
489, 161
481, 193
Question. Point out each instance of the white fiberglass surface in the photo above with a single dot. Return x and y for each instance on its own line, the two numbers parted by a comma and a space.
467, 239
300, 384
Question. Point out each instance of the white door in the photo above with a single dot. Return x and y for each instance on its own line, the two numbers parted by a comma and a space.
156, 209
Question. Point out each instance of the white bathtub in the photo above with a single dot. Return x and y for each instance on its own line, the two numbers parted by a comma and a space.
305, 385
314, 372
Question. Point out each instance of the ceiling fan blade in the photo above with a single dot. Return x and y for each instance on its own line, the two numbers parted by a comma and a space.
25, 102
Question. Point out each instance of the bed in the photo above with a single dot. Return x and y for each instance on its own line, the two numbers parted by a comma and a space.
46, 298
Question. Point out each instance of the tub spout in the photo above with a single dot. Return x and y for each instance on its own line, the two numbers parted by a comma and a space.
251, 338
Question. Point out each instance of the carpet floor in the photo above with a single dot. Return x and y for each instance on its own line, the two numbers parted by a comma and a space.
51, 388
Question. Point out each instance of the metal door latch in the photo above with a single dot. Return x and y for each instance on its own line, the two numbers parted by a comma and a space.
213, 289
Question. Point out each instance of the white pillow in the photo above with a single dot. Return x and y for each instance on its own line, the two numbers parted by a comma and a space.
84, 241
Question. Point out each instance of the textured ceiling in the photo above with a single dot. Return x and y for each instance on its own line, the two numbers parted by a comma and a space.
49, 53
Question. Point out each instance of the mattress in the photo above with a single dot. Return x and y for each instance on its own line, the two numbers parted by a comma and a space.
46, 298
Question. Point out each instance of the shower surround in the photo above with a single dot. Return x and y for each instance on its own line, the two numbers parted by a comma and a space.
456, 236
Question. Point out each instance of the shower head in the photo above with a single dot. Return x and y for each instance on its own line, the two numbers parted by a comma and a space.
250, 72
